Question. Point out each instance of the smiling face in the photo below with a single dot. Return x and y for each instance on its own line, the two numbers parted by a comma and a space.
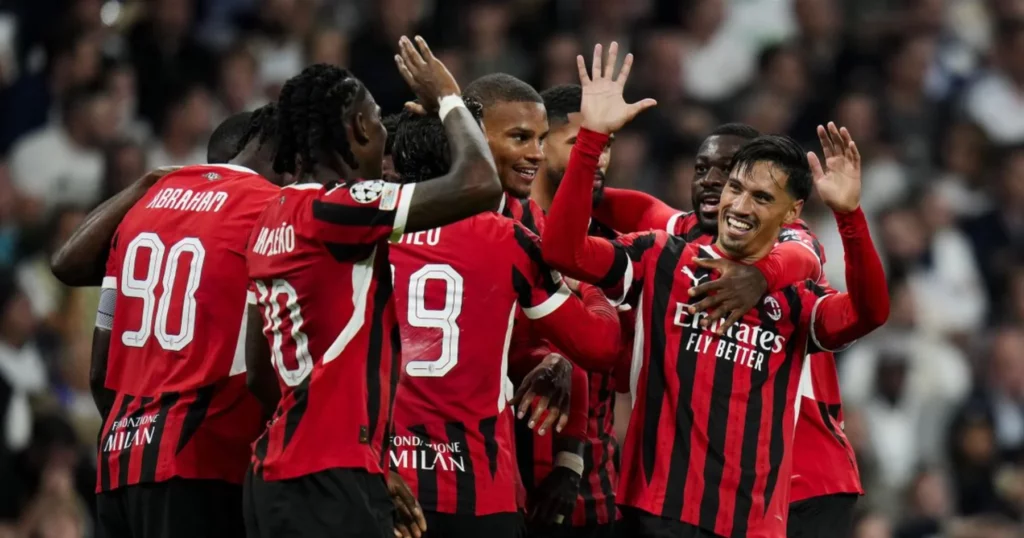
754, 206
515, 133
711, 169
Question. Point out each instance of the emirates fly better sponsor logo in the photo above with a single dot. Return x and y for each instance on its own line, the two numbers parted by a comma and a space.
745, 344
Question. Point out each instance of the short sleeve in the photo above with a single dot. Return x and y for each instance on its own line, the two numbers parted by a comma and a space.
626, 275
113, 269
353, 215
539, 288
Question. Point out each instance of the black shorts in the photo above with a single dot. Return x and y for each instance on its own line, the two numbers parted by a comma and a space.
639, 524
566, 531
506, 525
171, 509
337, 503
819, 517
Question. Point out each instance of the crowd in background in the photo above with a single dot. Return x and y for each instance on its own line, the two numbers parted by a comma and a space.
94, 93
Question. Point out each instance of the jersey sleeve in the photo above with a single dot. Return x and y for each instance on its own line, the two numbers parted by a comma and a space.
631, 211
796, 257
348, 217
540, 290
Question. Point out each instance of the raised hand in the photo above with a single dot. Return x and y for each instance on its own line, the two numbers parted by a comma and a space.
426, 75
838, 184
546, 388
603, 108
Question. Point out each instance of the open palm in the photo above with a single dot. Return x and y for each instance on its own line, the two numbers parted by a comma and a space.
603, 108
838, 183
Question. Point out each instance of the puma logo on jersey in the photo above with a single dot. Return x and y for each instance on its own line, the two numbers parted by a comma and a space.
696, 279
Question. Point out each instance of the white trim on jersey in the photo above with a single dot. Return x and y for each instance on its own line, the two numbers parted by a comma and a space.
627, 283
814, 336
671, 226
637, 362
304, 186
238, 362
233, 167
250, 297
109, 283
501, 204
805, 387
550, 304
362, 277
507, 390
402, 211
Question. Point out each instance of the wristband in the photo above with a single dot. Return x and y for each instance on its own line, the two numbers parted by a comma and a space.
448, 103
573, 462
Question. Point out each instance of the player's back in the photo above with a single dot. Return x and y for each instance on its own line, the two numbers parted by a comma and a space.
176, 356
318, 263
457, 289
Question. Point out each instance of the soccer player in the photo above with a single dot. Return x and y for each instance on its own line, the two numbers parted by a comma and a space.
516, 125
587, 499
318, 260
708, 448
825, 478
168, 364
456, 304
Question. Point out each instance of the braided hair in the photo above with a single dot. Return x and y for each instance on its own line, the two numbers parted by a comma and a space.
421, 149
311, 114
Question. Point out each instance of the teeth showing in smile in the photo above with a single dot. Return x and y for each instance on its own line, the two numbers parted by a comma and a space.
737, 224
527, 173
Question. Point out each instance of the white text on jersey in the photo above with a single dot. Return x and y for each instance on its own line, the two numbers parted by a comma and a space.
272, 241
188, 200
430, 238
742, 343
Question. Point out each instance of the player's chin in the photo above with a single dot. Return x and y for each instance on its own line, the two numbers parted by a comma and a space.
517, 187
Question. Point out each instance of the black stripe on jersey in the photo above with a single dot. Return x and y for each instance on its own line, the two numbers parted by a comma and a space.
465, 482
826, 417
532, 250
426, 479
374, 353
350, 215
524, 454
125, 459
718, 420
586, 486
195, 415
151, 452
794, 350
654, 395
396, 370
259, 450
751, 434
527, 218
347, 253
300, 395
104, 460
634, 250
694, 233
608, 445
488, 426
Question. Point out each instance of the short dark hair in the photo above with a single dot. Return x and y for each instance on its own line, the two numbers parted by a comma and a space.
226, 138
741, 130
421, 150
262, 126
391, 125
311, 114
562, 100
495, 88
783, 152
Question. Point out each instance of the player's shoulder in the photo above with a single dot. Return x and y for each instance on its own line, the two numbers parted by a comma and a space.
682, 223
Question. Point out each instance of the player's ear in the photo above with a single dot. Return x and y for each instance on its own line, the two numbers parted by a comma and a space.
794, 212
359, 128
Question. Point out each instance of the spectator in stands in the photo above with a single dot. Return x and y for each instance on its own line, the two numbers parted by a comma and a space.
186, 127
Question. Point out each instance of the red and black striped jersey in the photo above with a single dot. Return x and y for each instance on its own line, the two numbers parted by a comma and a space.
318, 262
523, 210
176, 360
458, 289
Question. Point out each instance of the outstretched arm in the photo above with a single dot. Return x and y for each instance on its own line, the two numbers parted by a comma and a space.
471, 186
627, 211
82, 259
587, 329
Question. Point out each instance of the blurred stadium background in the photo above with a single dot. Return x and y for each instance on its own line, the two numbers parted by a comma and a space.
93, 93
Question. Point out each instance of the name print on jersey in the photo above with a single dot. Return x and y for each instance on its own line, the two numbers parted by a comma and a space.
273, 241
741, 343
412, 452
131, 431
178, 199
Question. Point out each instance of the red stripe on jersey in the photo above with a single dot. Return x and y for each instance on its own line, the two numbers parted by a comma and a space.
595, 504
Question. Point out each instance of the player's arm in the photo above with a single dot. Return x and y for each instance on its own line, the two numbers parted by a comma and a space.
471, 186
841, 318
101, 395
259, 368
82, 259
628, 211
797, 257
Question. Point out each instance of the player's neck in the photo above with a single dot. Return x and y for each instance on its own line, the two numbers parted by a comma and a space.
542, 193
743, 257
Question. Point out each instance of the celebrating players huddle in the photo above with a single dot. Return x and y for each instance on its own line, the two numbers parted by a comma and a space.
286, 346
